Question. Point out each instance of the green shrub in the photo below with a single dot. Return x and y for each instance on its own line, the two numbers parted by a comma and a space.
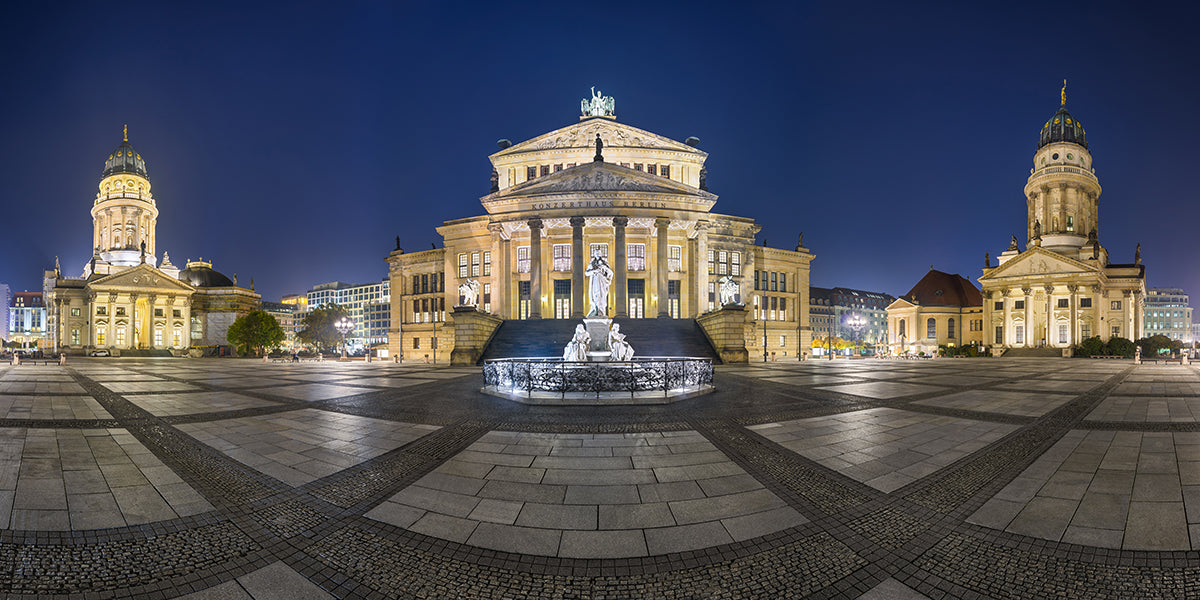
1092, 346
1119, 346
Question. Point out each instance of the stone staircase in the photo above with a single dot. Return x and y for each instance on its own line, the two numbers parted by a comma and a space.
649, 337
1033, 353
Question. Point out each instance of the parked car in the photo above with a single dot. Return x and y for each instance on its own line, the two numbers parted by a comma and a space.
100, 353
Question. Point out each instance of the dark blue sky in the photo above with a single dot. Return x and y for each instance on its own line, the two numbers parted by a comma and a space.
292, 144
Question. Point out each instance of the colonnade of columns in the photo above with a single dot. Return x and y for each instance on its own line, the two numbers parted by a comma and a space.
118, 218
1030, 337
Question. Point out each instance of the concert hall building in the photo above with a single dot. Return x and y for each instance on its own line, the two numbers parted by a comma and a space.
599, 186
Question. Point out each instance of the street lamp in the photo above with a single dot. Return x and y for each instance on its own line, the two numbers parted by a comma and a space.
344, 325
856, 324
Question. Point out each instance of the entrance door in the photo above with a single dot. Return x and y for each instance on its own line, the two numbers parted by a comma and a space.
637, 298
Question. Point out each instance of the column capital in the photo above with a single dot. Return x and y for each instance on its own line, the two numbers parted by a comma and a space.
535, 223
577, 222
1049, 289
496, 227
1072, 288
1028, 290
702, 226
662, 222
620, 221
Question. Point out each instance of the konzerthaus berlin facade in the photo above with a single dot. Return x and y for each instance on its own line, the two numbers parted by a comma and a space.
598, 186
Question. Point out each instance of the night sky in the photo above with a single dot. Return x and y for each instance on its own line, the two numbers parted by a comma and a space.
293, 144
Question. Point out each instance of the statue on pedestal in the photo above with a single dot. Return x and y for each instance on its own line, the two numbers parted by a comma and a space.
599, 278
577, 348
469, 290
621, 350
728, 290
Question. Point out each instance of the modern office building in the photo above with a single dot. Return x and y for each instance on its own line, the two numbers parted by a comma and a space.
27, 320
369, 305
1167, 313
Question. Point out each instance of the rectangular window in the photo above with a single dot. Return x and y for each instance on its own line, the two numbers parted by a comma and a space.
774, 307
487, 297
637, 298
1062, 333
177, 313
557, 167
637, 166
530, 173
425, 283
100, 331
416, 343
463, 266
774, 281
712, 262
1064, 302
74, 312
652, 169
75, 336
722, 262
999, 334
1115, 305
523, 259
998, 305
764, 280
158, 312
562, 257
487, 263
635, 256
416, 286
562, 298
674, 258
599, 250
425, 316
783, 282
1019, 330
120, 336
474, 264
120, 311
756, 286
665, 171
783, 309
416, 311
523, 299
1116, 331
158, 338
1070, 223
735, 266
433, 282
545, 170
101, 310
712, 295
1019, 304
673, 299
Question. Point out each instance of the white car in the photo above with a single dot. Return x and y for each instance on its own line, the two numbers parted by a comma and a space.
100, 353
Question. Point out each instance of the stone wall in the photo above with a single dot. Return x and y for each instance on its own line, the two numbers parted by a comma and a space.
472, 330
727, 330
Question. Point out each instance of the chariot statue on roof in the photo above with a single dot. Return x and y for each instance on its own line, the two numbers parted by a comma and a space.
598, 105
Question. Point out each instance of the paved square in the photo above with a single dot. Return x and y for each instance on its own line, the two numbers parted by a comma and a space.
589, 496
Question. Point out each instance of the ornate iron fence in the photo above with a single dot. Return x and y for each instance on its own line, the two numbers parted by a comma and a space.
642, 374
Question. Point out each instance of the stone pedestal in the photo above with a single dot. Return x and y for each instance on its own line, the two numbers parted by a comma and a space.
597, 328
471, 330
726, 330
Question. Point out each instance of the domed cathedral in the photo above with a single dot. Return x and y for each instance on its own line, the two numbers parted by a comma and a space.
599, 187
125, 299
1062, 288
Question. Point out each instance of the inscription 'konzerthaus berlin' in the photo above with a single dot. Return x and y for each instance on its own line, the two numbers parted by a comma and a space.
599, 187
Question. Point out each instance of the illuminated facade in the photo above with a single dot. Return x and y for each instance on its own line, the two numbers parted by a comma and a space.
1062, 288
124, 298
598, 187
942, 309
1168, 313
27, 320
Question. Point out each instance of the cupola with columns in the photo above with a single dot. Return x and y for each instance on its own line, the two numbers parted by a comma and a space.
1062, 193
124, 215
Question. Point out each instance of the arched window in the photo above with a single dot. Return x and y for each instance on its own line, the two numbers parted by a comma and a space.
902, 327
931, 326
950, 329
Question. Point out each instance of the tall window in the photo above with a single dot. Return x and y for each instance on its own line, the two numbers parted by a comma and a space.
652, 169
712, 262
665, 171
783, 282
1116, 331
950, 329
523, 299
487, 263
562, 257
463, 266
1115, 305
774, 307
712, 295
931, 329
1019, 334
999, 334
764, 275
1070, 223
100, 335
756, 286
75, 336
487, 297
637, 298
673, 299
783, 309
562, 298
598, 250
674, 258
774, 281
545, 170
530, 173
416, 311
735, 265
177, 336
722, 262
158, 337
1062, 333
120, 336
523, 259
474, 264
635, 255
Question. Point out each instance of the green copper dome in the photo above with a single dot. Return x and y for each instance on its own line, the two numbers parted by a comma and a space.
1062, 127
124, 160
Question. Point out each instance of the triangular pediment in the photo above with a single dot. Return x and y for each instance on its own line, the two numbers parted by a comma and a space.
583, 135
599, 177
899, 303
141, 276
1038, 262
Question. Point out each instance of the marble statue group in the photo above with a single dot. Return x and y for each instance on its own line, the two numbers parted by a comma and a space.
469, 291
613, 347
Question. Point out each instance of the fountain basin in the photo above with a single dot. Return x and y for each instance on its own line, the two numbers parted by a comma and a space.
642, 380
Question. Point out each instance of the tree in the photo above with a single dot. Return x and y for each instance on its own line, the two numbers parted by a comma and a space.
1154, 344
256, 330
319, 329
1092, 346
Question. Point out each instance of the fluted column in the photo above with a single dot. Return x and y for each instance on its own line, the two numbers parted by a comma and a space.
1028, 299
1051, 336
621, 266
660, 270
499, 277
131, 327
535, 268
577, 267
1074, 333
700, 270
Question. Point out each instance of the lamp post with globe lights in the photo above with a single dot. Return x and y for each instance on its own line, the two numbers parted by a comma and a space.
344, 325
856, 323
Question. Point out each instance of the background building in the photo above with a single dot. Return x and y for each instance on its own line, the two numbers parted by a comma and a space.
5, 299
942, 309
831, 311
598, 187
1167, 313
1062, 288
27, 320
369, 305
285, 314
